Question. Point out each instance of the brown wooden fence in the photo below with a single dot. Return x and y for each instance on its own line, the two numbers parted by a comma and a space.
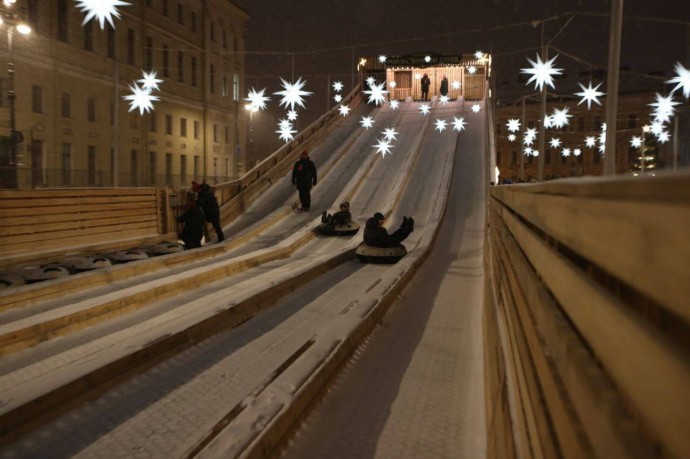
587, 319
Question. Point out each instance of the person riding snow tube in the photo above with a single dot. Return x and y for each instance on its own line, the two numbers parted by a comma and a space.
381, 247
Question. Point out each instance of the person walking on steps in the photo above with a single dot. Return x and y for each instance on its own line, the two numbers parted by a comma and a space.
425, 82
304, 178
376, 235
206, 199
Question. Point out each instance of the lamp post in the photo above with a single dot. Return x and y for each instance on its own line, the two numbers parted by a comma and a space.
250, 148
9, 19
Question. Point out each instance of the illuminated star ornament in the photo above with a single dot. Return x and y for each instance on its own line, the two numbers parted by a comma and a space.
479, 55
513, 125
376, 93
577, 152
566, 152
663, 137
371, 81
337, 86
427, 59
471, 69
440, 125
455, 84
292, 115
283, 124
458, 124
149, 81
555, 142
367, 122
256, 99
424, 109
392, 84
390, 134
560, 117
590, 141
443, 100
140, 98
542, 72
383, 147
682, 80
511, 137
530, 136
103, 10
394, 104
286, 132
589, 95
382, 58
344, 110
476, 108
548, 121
664, 108
337, 98
292, 93
636, 141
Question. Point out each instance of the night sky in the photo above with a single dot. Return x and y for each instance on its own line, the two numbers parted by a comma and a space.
321, 37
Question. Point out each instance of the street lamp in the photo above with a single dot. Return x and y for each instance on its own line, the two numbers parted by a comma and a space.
251, 108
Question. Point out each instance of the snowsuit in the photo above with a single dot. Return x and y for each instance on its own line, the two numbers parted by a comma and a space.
376, 235
304, 177
193, 231
426, 82
209, 204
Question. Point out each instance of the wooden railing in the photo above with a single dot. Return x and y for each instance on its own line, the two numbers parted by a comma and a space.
587, 318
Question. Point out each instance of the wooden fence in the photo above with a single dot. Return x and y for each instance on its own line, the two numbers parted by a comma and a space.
587, 319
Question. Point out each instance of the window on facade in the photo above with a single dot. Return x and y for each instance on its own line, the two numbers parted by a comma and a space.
37, 99
196, 167
215, 167
215, 133
183, 127
513, 158
148, 54
596, 157
581, 123
180, 66
236, 87
91, 165
153, 164
564, 160
66, 163
110, 38
183, 168
224, 83
193, 21
149, 3
196, 130
212, 77
547, 157
166, 61
597, 123
62, 20
91, 108
66, 105
88, 36
131, 38
168, 168
165, 7
632, 121
212, 31
4, 92
153, 122
224, 38
134, 120
227, 134
112, 114
32, 11
168, 124
193, 69
134, 163
180, 13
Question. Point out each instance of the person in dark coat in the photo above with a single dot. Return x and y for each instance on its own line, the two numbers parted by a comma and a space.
193, 219
444, 86
342, 217
304, 177
376, 235
426, 82
206, 199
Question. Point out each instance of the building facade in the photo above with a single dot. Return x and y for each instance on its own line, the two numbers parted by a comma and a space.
74, 127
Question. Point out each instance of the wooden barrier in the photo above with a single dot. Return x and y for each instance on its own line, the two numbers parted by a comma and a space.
587, 319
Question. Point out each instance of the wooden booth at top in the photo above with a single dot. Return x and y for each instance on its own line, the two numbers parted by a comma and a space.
469, 73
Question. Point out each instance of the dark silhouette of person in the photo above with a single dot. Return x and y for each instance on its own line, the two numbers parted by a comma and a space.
376, 235
444, 86
304, 177
193, 219
425, 82
206, 199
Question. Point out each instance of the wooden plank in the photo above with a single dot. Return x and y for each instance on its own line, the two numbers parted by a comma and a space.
29, 211
53, 229
639, 360
643, 244
75, 237
74, 201
45, 193
77, 241
43, 218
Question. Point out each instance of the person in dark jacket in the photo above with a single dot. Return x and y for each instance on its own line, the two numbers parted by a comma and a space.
425, 82
342, 217
304, 177
193, 219
206, 199
376, 235
444, 86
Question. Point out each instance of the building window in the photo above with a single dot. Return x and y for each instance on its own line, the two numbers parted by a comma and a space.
183, 168
66, 106
112, 114
215, 167
196, 167
581, 123
153, 122
513, 158
134, 120
193, 71
62, 20
564, 160
215, 133
168, 124
130, 46
91, 165
595, 157
91, 108
212, 30
180, 66
180, 13
547, 157
110, 38
4, 92
165, 7
196, 130
183, 127
148, 54
193, 22
212, 77
134, 158
168, 169
166, 62
88, 36
225, 38
224, 88
153, 164
227, 134
149, 3
66, 163
32, 11
236, 87
37, 99
597, 123
632, 121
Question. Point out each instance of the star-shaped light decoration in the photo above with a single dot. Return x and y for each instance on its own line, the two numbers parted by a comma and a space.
590, 141
103, 10
427, 59
511, 137
390, 134
292, 93
140, 98
513, 125
530, 136
257, 99
376, 93
566, 152
577, 152
560, 117
292, 115
149, 81
682, 79
548, 121
337, 98
424, 109
476, 108
664, 108
479, 55
337, 86
542, 72
528, 151
590, 94
367, 122
471, 69
555, 142
392, 84
344, 110
455, 84
440, 125
370, 81
284, 124
394, 104
382, 58
286, 132
656, 128
663, 137
443, 100
636, 141
459, 124
383, 146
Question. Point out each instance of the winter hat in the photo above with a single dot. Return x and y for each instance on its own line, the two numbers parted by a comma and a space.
378, 216
304, 154
195, 187
345, 206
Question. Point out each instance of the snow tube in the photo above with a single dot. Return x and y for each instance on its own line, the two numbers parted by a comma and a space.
44, 272
84, 263
163, 248
8, 280
124, 256
386, 255
347, 229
